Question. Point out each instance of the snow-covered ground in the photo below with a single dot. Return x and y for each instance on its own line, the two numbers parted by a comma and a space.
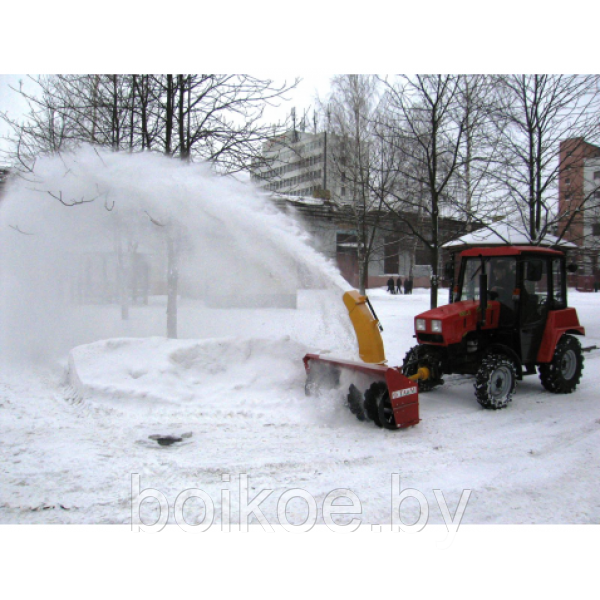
71, 444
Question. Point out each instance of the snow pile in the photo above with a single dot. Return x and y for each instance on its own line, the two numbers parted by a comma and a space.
184, 372
201, 380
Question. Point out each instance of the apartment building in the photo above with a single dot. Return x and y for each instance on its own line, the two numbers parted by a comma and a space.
579, 201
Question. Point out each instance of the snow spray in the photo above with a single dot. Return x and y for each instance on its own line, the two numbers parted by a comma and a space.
92, 243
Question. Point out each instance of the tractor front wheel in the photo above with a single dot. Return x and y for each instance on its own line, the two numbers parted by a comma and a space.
495, 382
423, 356
562, 375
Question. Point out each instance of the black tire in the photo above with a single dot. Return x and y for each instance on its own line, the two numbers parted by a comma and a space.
372, 397
423, 356
355, 403
386, 412
495, 382
562, 375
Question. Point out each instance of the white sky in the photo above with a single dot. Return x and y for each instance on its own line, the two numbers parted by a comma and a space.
303, 97
10, 102
318, 39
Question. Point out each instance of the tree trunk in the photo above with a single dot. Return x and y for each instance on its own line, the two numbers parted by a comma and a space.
116, 134
172, 284
363, 275
169, 116
435, 250
434, 277
123, 279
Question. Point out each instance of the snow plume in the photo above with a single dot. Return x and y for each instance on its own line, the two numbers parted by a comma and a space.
85, 222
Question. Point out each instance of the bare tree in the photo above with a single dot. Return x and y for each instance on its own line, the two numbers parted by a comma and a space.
216, 118
476, 196
350, 110
533, 114
427, 128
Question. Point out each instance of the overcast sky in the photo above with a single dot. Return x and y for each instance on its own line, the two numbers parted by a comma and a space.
302, 97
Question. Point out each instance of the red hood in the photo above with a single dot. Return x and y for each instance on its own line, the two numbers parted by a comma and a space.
457, 320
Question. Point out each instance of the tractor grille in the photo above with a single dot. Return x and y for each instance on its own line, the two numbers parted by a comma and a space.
432, 338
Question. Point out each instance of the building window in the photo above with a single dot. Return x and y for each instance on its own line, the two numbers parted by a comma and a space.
343, 192
567, 181
391, 258
595, 228
346, 243
596, 174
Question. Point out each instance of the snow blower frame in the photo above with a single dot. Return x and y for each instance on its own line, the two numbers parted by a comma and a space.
390, 399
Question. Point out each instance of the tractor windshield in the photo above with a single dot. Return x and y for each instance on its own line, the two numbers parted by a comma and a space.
501, 272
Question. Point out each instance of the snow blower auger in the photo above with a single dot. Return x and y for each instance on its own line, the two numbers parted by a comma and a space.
376, 392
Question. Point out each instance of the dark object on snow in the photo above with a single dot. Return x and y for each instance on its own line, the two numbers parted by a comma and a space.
165, 440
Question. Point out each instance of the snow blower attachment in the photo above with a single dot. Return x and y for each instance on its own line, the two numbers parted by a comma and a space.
376, 392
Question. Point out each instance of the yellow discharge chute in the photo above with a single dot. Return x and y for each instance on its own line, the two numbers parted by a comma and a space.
366, 326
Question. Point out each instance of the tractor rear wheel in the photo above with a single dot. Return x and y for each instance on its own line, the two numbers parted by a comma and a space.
372, 398
562, 375
495, 382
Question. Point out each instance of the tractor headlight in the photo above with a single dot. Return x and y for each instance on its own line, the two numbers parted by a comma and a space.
420, 325
436, 326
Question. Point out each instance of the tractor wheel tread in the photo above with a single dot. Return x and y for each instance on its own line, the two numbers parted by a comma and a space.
567, 357
495, 381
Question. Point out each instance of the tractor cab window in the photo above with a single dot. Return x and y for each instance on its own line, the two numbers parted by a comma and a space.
502, 280
534, 293
470, 287
558, 285
501, 276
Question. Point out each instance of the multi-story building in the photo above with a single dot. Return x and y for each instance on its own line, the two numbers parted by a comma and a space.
305, 173
396, 251
579, 201
298, 163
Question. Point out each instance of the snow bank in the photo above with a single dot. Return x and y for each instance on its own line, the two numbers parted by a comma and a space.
211, 381
205, 373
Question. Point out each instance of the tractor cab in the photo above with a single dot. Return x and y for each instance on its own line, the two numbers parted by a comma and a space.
526, 282
508, 316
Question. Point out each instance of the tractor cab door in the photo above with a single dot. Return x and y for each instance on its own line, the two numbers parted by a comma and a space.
534, 302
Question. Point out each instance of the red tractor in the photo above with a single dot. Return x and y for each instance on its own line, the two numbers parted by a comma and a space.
508, 315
